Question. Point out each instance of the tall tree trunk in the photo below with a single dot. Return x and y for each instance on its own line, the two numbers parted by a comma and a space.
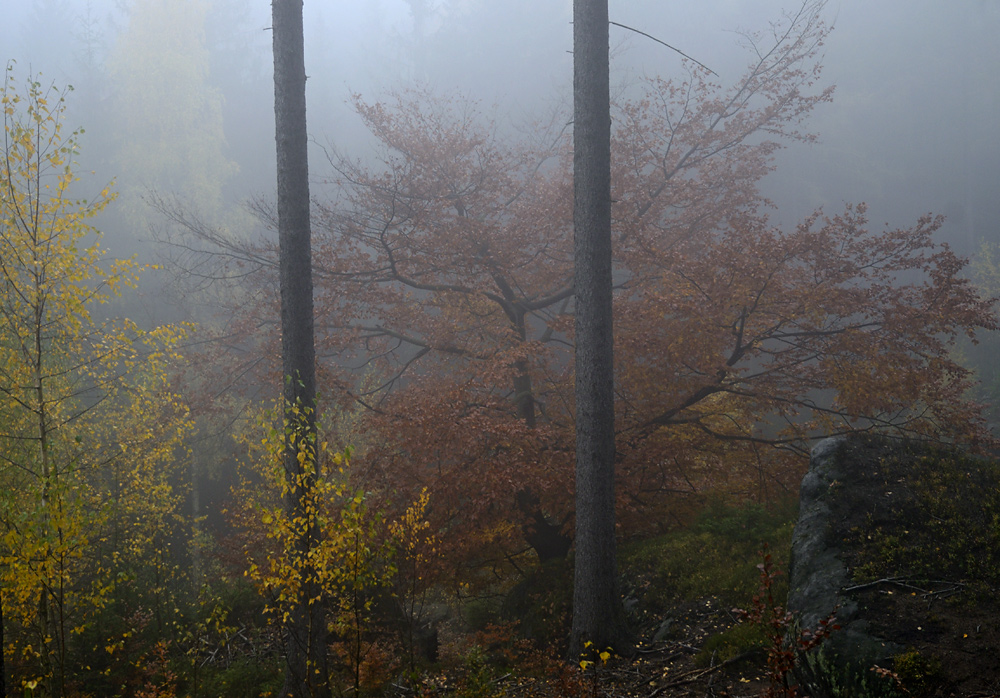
598, 616
307, 672
52, 645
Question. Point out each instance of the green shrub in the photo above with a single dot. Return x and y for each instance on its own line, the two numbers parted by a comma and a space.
731, 643
479, 679
247, 678
920, 675
717, 556
480, 613
833, 680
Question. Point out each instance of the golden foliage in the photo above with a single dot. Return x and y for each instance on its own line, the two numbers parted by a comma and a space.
89, 428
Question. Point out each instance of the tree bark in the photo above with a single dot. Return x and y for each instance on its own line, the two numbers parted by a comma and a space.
598, 616
307, 673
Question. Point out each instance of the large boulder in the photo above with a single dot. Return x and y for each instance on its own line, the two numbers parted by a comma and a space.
836, 483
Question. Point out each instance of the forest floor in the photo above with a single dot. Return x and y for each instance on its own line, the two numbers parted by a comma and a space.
923, 545
951, 650
921, 536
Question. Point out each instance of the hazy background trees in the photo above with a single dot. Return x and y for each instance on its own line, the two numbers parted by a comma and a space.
910, 129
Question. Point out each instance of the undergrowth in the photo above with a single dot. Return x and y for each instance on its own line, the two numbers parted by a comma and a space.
926, 528
716, 556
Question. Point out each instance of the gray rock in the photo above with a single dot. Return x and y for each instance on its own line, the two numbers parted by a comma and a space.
841, 666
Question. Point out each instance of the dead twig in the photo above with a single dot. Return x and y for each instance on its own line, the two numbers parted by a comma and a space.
904, 583
664, 43
696, 674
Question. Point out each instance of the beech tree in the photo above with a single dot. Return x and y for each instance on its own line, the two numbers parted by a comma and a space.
444, 274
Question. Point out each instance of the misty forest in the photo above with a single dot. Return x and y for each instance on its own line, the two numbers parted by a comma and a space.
493, 367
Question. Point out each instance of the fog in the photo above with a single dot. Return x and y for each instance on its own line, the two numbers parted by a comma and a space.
911, 129
175, 102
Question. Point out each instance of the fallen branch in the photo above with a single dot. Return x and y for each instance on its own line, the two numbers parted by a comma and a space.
695, 674
902, 582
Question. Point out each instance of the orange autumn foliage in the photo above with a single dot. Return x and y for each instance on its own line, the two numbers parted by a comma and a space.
444, 305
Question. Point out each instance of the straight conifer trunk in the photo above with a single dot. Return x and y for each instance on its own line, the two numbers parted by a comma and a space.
597, 609
307, 674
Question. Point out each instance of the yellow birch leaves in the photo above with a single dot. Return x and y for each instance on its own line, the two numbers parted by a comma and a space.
88, 426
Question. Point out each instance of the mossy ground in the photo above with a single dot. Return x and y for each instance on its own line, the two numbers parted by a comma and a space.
680, 590
922, 536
